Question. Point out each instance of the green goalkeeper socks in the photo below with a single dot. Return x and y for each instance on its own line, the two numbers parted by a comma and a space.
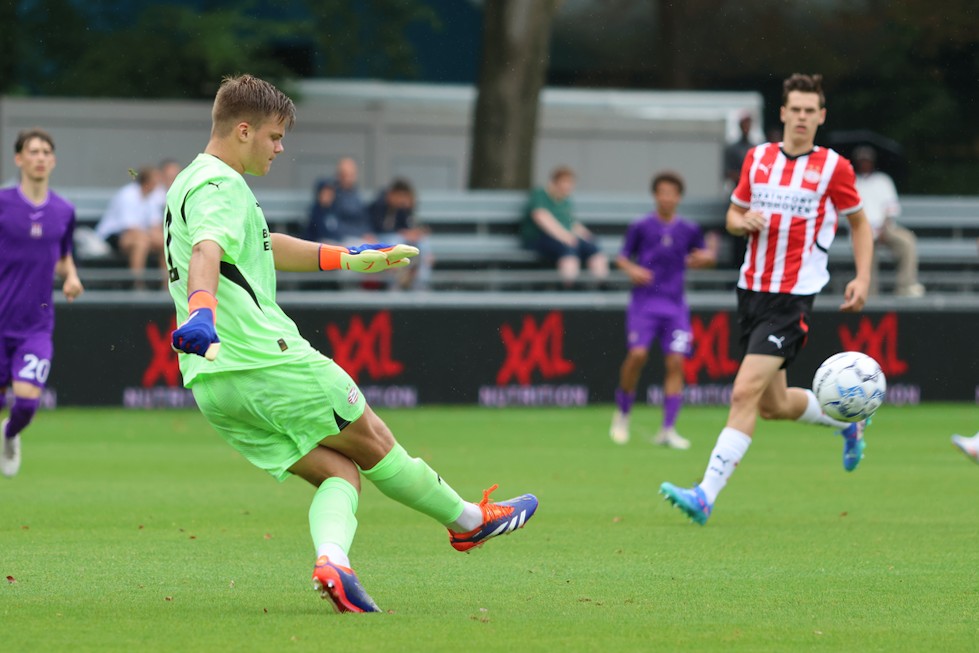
332, 516
412, 482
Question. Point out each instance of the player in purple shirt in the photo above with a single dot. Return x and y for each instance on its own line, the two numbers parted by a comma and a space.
658, 249
36, 228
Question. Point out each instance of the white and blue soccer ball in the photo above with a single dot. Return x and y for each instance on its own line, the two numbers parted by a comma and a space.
849, 386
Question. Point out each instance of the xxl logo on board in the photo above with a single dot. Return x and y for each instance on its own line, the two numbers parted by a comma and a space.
365, 347
163, 366
160, 386
879, 342
534, 348
710, 369
712, 349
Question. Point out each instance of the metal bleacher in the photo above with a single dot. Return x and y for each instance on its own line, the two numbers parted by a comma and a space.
476, 247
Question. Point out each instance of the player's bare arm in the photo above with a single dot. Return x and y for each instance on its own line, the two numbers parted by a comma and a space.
549, 225
741, 221
295, 254
72, 285
581, 231
204, 268
637, 274
198, 334
862, 237
706, 257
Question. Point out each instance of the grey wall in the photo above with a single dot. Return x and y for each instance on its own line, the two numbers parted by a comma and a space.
614, 139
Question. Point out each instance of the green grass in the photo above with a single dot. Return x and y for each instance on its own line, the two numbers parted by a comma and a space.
143, 531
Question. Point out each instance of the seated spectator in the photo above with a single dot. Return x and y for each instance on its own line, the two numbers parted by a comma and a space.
392, 220
550, 228
169, 169
881, 205
735, 152
323, 225
338, 214
133, 223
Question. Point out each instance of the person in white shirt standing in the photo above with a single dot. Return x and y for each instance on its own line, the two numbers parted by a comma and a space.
882, 207
133, 222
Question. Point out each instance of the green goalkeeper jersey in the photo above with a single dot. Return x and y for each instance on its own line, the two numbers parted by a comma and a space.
210, 201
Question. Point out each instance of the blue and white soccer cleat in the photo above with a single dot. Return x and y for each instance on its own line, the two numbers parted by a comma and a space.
340, 586
692, 502
619, 431
669, 438
968, 446
854, 444
9, 452
498, 519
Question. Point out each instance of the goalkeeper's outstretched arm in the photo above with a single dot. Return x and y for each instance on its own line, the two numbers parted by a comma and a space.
297, 255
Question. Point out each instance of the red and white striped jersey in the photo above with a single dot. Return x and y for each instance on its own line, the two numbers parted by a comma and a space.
803, 198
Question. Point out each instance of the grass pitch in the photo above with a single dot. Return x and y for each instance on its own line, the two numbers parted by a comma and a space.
143, 531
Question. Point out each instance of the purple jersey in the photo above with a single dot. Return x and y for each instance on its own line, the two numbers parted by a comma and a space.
32, 239
661, 247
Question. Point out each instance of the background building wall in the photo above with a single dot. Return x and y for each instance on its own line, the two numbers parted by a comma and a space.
614, 139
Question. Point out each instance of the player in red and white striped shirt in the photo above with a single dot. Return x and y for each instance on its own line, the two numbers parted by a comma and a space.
788, 204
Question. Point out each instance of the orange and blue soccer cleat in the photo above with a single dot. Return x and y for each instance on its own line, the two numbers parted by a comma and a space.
340, 586
498, 519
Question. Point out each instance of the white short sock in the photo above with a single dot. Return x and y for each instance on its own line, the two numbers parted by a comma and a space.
731, 446
470, 519
815, 415
336, 555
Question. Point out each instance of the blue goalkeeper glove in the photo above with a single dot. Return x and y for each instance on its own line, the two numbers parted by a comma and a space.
198, 335
357, 249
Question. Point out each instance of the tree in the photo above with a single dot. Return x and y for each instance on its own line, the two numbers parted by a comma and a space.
8, 46
147, 49
516, 45
367, 38
175, 52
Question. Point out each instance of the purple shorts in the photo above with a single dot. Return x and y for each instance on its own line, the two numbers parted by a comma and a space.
671, 330
25, 358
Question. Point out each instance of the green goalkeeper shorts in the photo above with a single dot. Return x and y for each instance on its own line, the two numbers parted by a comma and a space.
276, 415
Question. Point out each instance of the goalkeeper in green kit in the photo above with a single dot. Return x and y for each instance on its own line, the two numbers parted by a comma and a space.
284, 406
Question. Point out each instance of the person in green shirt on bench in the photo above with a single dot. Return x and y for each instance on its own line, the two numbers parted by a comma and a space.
550, 228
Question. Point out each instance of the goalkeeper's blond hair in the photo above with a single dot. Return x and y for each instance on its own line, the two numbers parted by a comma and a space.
249, 99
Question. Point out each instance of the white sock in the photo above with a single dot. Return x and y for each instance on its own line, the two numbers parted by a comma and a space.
731, 446
470, 519
336, 555
815, 415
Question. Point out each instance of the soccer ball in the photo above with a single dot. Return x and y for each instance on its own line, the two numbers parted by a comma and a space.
849, 386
